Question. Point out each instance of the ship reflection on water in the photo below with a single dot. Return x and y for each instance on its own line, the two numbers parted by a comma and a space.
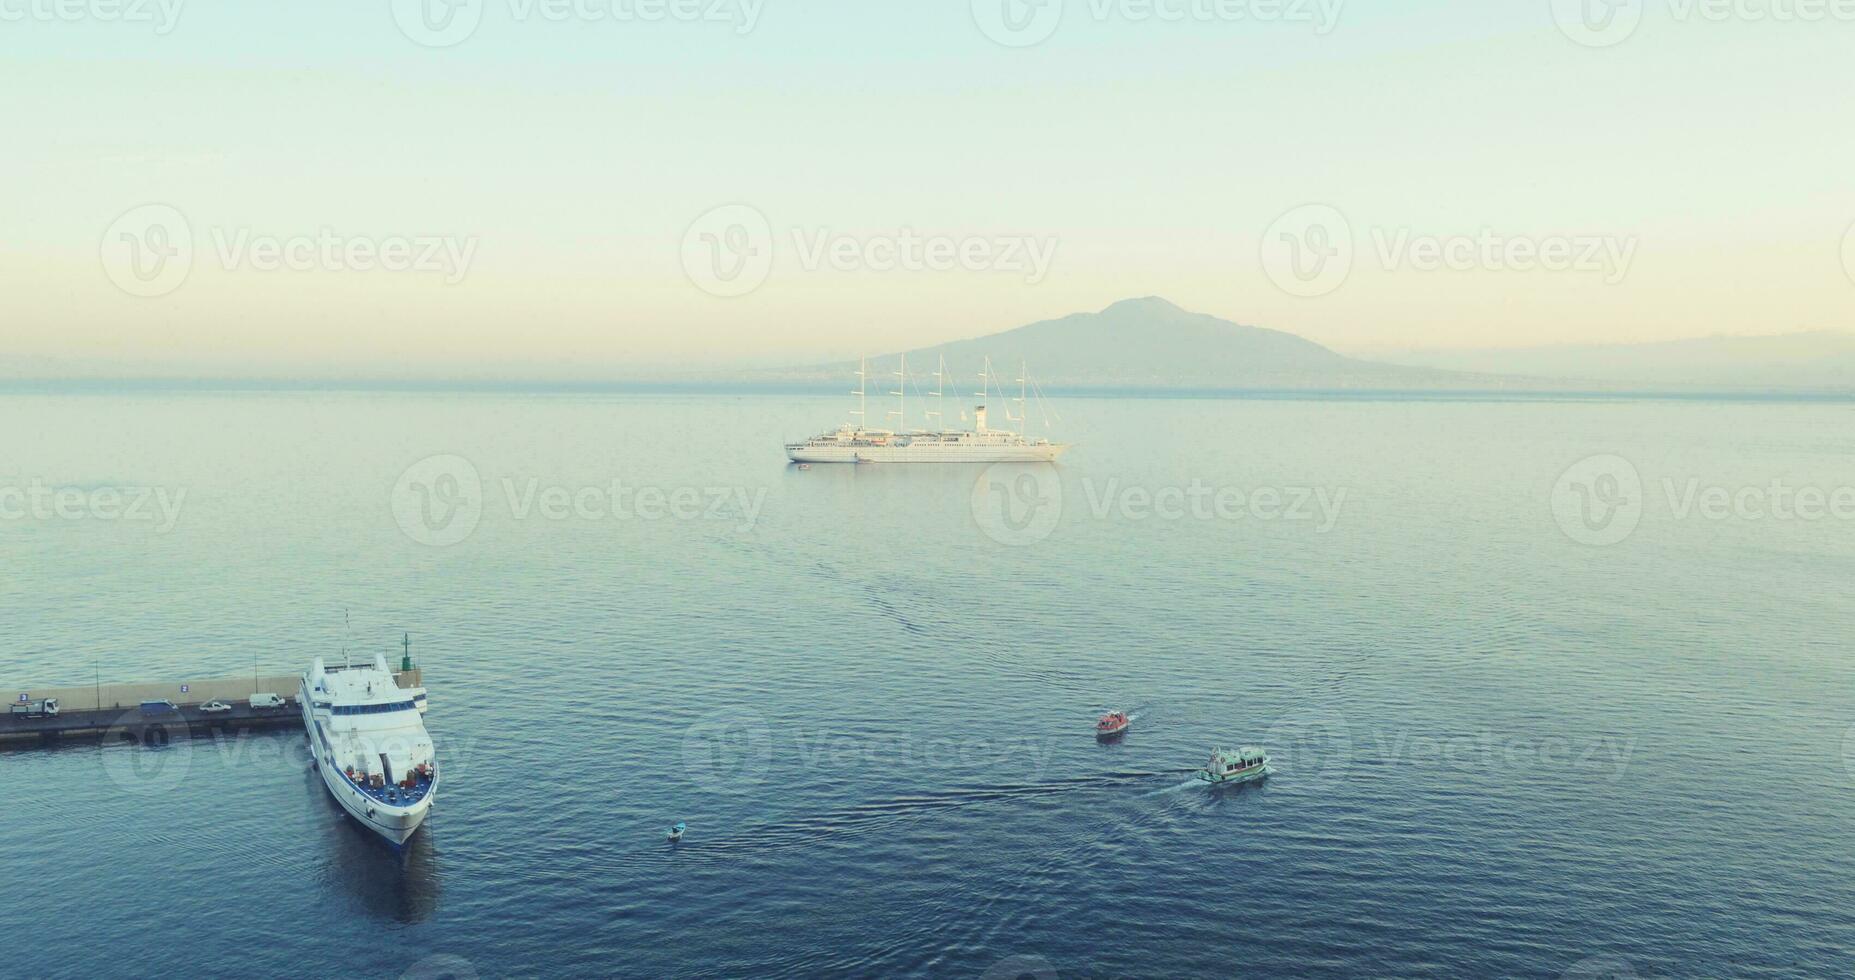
387, 882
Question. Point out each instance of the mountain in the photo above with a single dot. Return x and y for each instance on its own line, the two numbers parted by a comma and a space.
1135, 344
1818, 360
1151, 343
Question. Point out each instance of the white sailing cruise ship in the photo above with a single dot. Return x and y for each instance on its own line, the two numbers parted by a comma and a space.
856, 443
369, 739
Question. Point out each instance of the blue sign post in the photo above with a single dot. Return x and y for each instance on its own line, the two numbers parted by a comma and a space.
23, 699
183, 689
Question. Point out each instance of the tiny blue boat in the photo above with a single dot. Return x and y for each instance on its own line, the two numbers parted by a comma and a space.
676, 832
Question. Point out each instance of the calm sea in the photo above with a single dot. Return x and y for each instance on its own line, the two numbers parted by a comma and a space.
1552, 688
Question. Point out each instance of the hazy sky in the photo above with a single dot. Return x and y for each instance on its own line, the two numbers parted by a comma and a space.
539, 187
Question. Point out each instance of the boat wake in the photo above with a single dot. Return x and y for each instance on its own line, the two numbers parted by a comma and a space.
890, 611
1182, 787
863, 818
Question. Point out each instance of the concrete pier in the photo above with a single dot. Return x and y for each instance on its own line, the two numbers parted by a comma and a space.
115, 709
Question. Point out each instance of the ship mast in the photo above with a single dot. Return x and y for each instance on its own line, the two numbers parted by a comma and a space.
985, 391
901, 414
862, 390
940, 395
1023, 409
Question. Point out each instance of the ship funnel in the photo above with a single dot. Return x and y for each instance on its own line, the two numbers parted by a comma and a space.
979, 418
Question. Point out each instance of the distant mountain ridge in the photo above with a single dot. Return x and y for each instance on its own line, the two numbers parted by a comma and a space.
1136, 345
1152, 343
1815, 360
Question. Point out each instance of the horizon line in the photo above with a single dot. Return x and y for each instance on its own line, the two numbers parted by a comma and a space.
536, 386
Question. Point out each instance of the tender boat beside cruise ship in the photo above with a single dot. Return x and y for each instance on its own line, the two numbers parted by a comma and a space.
370, 744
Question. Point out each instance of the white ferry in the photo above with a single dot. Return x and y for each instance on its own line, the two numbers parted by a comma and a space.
1242, 766
856, 443
368, 736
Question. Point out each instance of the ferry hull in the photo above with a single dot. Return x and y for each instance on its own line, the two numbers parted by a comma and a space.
396, 824
1243, 777
1044, 453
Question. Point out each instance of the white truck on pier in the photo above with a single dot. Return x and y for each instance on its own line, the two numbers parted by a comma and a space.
42, 708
